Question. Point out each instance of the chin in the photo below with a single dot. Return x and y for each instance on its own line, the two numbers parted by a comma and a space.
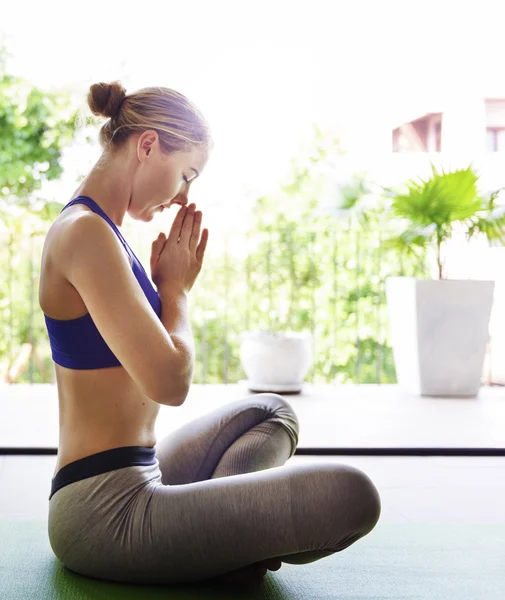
144, 217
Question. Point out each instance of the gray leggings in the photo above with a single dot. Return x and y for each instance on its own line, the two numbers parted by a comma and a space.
217, 499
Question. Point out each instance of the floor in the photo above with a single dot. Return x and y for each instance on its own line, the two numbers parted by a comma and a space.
338, 416
420, 489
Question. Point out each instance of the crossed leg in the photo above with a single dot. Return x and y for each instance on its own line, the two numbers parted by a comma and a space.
251, 434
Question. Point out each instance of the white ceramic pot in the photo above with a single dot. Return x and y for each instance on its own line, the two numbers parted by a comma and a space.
439, 331
281, 358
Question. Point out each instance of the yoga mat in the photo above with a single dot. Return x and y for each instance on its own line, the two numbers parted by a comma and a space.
407, 561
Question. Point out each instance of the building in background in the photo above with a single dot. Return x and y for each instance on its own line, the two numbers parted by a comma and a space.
423, 134
427, 132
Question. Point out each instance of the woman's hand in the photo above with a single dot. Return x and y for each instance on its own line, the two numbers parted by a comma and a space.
177, 260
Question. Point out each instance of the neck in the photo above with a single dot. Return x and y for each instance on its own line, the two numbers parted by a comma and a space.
109, 187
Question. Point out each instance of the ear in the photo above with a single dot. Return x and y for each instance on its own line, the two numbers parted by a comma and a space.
145, 144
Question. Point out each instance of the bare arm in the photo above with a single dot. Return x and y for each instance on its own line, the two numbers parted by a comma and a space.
93, 261
175, 319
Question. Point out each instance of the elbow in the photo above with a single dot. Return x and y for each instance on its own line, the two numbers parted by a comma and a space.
173, 388
180, 402
169, 401
172, 397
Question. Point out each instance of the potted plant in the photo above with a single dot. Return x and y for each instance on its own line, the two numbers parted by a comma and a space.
277, 357
276, 361
440, 327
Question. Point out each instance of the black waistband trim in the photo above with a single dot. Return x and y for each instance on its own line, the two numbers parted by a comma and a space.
102, 462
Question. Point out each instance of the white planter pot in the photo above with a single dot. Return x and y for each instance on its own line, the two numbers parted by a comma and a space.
277, 359
439, 331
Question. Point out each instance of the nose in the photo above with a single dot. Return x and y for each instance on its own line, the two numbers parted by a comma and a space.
181, 198
182, 202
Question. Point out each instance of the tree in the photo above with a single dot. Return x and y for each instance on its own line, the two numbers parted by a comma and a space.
35, 126
306, 271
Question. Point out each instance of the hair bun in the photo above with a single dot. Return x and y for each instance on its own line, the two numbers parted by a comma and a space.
105, 98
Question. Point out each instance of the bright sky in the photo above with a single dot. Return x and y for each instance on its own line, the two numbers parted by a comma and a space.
263, 71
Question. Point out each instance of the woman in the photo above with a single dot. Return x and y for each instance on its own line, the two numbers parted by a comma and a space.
213, 500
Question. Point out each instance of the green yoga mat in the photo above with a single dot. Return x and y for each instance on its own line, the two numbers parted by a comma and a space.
395, 561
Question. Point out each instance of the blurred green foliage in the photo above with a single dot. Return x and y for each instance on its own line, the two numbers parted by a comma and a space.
305, 270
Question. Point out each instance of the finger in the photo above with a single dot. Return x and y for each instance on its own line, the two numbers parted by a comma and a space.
175, 232
187, 227
156, 248
203, 244
157, 245
159, 239
195, 234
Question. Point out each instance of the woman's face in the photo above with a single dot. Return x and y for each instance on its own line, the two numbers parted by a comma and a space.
163, 179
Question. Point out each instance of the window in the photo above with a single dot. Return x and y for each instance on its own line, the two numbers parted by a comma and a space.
495, 139
420, 135
495, 125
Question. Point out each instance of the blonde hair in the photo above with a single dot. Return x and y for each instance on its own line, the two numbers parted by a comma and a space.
178, 122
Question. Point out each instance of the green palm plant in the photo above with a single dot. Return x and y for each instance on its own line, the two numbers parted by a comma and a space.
431, 209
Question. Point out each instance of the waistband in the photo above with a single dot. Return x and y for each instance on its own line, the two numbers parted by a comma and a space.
102, 462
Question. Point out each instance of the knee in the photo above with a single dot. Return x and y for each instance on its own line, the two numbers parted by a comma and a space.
280, 411
280, 408
365, 500
332, 505
277, 403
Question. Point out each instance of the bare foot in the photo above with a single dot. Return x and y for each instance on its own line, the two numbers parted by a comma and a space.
251, 574
273, 564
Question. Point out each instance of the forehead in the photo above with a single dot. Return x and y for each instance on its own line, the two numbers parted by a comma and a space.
196, 157
186, 159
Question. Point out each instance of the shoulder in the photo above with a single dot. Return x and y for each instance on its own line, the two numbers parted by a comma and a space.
81, 229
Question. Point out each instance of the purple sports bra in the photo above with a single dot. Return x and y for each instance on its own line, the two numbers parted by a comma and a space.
77, 343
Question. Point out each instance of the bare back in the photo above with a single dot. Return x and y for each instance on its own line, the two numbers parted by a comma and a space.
99, 409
